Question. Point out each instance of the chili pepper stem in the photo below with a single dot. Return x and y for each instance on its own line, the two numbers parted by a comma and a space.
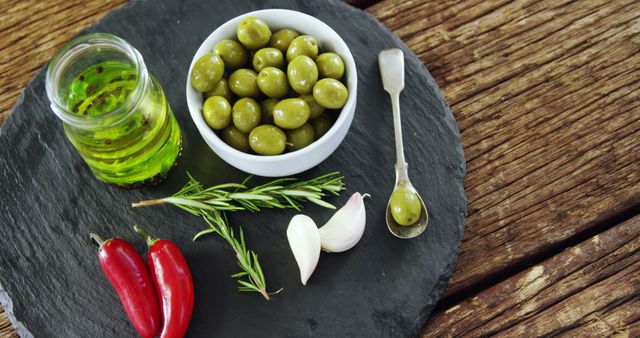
148, 203
151, 240
96, 239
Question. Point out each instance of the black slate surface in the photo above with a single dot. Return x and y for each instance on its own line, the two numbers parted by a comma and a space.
51, 283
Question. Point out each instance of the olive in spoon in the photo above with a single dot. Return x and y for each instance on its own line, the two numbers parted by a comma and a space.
406, 213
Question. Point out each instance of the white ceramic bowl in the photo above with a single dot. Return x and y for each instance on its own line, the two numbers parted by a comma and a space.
305, 158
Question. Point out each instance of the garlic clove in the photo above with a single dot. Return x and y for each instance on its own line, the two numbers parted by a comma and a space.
304, 240
345, 228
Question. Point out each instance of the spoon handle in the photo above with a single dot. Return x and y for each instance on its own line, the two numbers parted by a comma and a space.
391, 63
397, 127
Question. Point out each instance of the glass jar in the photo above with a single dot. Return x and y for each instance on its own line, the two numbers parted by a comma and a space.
113, 111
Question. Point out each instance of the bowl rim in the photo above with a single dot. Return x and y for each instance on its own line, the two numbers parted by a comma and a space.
351, 75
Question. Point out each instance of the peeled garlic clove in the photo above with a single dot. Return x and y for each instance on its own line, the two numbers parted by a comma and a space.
346, 226
304, 240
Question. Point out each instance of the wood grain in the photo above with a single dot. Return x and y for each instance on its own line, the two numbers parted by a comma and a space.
31, 33
6, 330
591, 289
546, 96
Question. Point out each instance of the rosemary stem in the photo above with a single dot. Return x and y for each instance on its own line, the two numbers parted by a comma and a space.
262, 290
148, 203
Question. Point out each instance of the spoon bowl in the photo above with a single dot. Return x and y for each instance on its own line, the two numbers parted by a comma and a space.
407, 231
391, 63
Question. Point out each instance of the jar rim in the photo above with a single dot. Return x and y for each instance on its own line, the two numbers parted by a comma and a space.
66, 55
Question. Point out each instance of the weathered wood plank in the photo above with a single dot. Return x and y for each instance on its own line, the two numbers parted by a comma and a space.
545, 92
546, 95
591, 289
31, 33
621, 321
6, 330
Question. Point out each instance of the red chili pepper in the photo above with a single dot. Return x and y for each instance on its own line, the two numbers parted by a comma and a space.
128, 274
172, 279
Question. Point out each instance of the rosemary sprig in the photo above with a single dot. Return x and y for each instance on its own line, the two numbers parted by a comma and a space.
212, 203
237, 196
251, 278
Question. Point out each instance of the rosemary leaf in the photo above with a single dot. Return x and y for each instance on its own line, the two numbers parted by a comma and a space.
247, 285
239, 274
320, 202
204, 232
246, 196
299, 193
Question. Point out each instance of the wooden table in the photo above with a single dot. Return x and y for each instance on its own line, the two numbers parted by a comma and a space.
546, 94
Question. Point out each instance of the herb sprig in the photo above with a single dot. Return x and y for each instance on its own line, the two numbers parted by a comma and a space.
251, 278
212, 204
194, 198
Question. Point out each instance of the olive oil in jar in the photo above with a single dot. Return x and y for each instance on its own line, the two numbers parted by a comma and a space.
115, 113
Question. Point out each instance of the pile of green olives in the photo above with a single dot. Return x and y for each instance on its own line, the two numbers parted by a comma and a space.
269, 93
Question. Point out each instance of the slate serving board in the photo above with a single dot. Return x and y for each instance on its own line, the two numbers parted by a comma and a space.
51, 283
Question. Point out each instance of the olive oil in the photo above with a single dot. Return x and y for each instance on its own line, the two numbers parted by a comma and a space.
137, 139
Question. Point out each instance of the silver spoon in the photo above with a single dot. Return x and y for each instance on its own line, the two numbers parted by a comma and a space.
391, 63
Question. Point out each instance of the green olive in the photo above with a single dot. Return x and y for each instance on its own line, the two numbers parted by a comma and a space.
330, 65
267, 140
217, 112
220, 89
243, 82
321, 125
253, 33
302, 74
282, 39
405, 206
300, 137
236, 139
246, 114
206, 72
267, 57
232, 53
330, 93
273, 82
291, 113
315, 108
302, 45
267, 110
